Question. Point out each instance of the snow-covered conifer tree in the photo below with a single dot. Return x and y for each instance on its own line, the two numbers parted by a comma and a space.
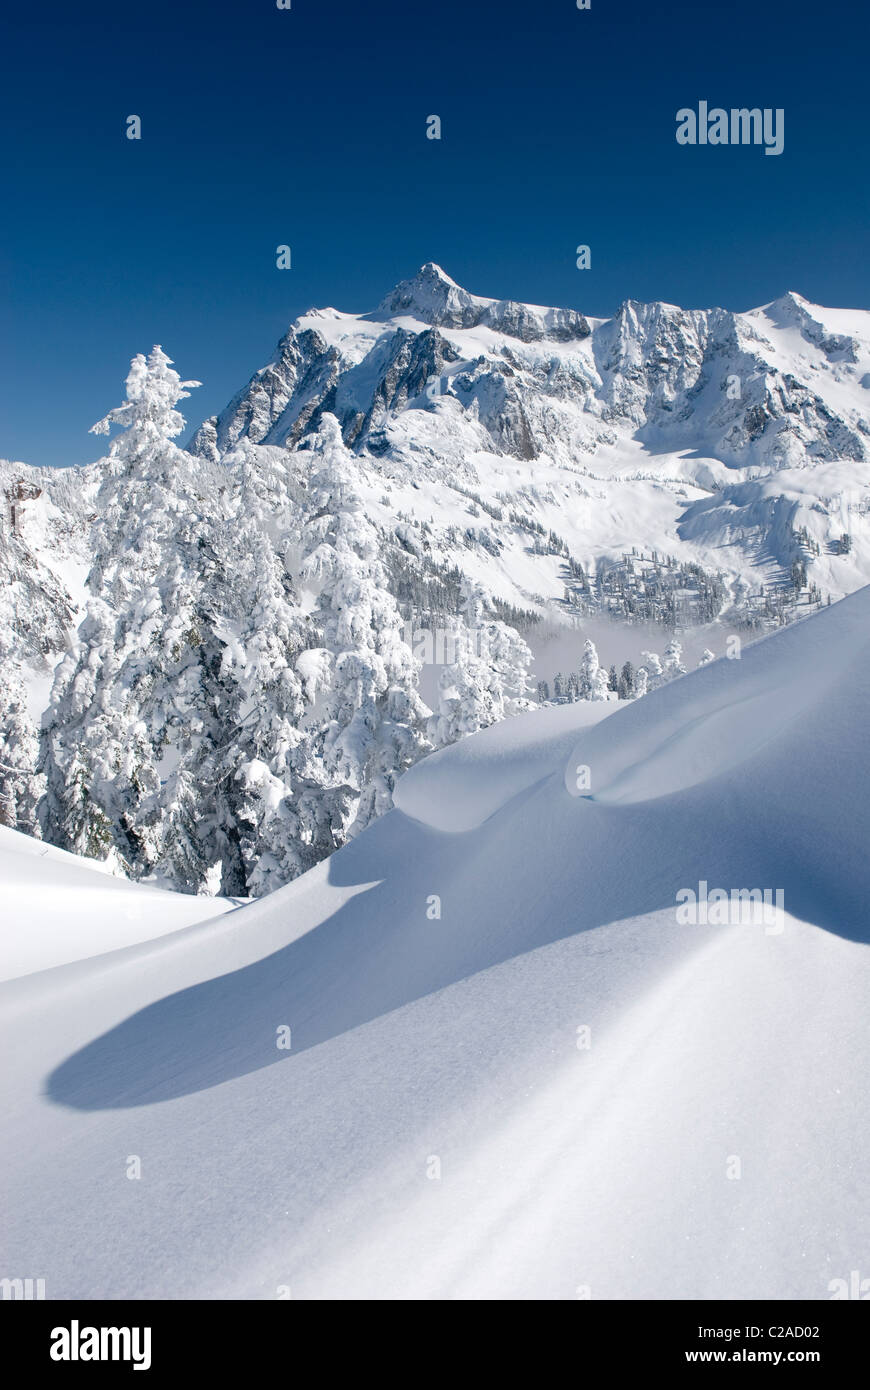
593, 678
20, 783
374, 719
147, 416
489, 679
653, 665
674, 660
274, 798
626, 684
129, 707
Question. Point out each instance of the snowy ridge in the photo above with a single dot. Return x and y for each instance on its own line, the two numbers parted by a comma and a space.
639, 431
513, 1072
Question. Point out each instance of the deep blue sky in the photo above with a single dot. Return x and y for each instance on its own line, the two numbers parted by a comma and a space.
307, 127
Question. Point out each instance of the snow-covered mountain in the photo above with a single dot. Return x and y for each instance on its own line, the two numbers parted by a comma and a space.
658, 429
479, 1054
217, 661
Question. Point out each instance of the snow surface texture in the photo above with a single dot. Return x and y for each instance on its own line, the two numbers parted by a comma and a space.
58, 908
204, 653
435, 1131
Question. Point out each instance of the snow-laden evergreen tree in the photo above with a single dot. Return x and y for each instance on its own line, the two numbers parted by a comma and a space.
131, 706
35, 615
654, 671
20, 784
225, 784
627, 677
543, 692
278, 809
147, 415
673, 664
469, 693
641, 682
593, 678
489, 680
99, 763
706, 657
374, 719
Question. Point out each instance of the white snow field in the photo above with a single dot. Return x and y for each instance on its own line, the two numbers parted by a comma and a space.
438, 1128
58, 908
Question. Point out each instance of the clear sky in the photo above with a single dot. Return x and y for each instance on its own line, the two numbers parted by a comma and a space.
307, 127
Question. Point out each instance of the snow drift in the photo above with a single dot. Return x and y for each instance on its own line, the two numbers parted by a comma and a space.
512, 1072
58, 908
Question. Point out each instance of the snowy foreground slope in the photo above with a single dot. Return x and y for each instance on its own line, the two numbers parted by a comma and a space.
435, 1130
58, 908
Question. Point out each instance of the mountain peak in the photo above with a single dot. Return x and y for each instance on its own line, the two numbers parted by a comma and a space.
794, 302
432, 296
432, 271
789, 305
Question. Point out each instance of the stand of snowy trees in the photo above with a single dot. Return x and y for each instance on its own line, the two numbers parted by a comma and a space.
592, 682
243, 689
240, 699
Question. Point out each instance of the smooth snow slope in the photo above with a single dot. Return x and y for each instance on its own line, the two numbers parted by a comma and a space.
424, 1044
58, 908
